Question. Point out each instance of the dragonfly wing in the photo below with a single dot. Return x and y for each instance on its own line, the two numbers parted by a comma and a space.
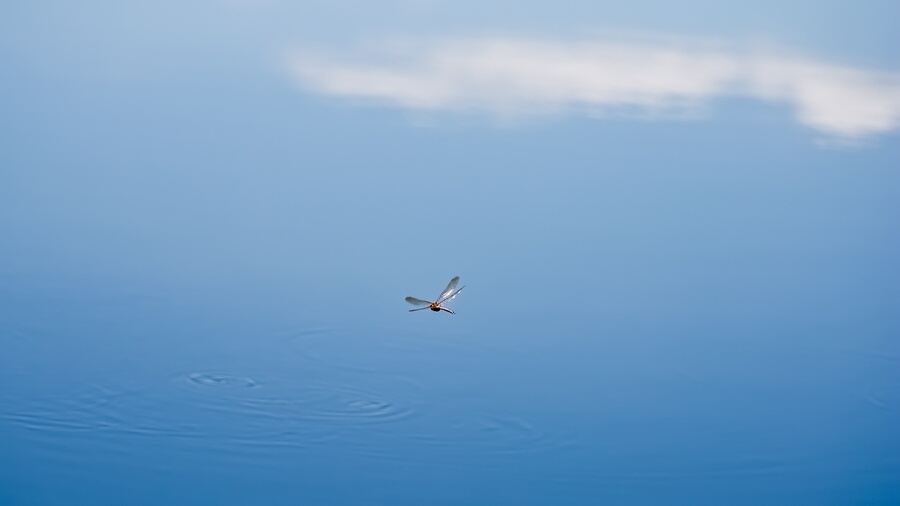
449, 289
417, 302
449, 297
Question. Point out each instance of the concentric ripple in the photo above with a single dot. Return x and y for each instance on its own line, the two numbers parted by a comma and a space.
216, 406
98, 409
346, 404
309, 403
496, 433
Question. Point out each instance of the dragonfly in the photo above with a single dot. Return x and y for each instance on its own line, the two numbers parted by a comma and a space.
444, 297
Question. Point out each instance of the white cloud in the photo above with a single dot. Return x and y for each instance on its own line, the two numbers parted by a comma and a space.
840, 101
519, 77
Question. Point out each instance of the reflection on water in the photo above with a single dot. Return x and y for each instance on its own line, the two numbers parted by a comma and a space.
395, 414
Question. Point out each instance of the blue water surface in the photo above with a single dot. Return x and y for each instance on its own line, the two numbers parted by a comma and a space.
201, 302
123, 397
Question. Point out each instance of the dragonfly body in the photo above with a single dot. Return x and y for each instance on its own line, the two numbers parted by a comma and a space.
444, 297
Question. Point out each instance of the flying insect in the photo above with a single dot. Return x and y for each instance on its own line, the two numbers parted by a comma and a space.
445, 296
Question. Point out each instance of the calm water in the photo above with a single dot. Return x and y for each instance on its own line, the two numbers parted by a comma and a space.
118, 396
680, 289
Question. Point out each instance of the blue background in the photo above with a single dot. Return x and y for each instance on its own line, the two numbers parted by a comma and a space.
202, 273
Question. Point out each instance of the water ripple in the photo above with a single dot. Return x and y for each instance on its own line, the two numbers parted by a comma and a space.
221, 407
331, 403
496, 433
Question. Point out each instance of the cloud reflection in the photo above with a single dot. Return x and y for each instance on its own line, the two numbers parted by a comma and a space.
515, 78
